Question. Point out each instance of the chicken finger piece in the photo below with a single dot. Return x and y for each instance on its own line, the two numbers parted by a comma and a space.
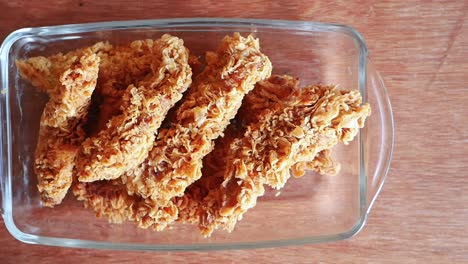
44, 72
60, 132
267, 94
128, 137
110, 199
226, 78
109, 102
322, 163
121, 66
176, 159
190, 205
269, 147
285, 90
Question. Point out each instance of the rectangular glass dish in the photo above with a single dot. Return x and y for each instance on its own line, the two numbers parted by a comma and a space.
311, 209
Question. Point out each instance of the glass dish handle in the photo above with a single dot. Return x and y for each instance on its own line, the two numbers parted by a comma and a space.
3, 144
378, 165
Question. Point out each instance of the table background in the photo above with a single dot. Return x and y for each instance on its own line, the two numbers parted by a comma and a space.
419, 47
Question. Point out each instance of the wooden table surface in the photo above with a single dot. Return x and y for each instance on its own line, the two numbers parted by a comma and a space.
419, 47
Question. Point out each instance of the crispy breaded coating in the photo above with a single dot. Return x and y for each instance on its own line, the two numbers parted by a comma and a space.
128, 137
109, 105
121, 66
275, 90
270, 93
73, 78
44, 72
269, 147
190, 205
285, 90
109, 196
110, 199
237, 58
195, 163
266, 94
176, 159
124, 65
322, 163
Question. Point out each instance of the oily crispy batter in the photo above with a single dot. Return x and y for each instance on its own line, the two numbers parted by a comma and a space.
276, 90
110, 199
268, 149
124, 65
322, 163
223, 79
190, 204
285, 90
128, 137
266, 94
44, 72
121, 66
70, 81
176, 159
109, 105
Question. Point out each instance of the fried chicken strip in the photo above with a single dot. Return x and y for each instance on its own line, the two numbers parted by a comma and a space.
70, 80
285, 90
274, 92
266, 94
110, 199
121, 66
128, 137
109, 102
322, 163
190, 205
44, 73
217, 92
176, 159
124, 65
269, 148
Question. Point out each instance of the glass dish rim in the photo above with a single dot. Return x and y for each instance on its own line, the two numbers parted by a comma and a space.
166, 23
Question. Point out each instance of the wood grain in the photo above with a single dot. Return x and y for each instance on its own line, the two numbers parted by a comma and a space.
419, 47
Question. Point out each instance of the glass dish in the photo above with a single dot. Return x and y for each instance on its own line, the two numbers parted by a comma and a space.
311, 209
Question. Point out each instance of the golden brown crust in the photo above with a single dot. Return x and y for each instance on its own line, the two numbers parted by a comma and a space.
44, 72
121, 66
276, 90
322, 163
266, 94
124, 65
74, 76
280, 130
215, 82
110, 199
128, 137
269, 148
190, 204
285, 90
176, 158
